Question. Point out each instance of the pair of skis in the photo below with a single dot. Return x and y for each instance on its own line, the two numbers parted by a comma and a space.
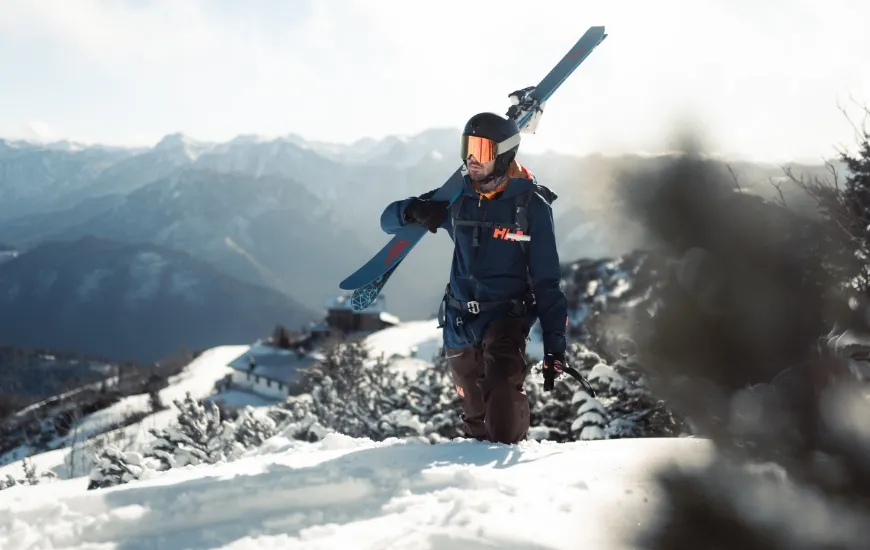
526, 109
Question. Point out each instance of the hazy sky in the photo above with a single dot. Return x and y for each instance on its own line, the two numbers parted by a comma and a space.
763, 77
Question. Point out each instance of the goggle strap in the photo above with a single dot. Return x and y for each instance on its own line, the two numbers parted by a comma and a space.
508, 144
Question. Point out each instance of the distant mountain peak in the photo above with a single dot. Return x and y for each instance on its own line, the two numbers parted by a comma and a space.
171, 141
62, 145
178, 142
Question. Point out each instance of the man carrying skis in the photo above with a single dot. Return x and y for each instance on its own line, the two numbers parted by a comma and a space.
505, 273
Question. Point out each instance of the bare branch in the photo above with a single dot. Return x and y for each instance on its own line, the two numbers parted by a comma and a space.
834, 174
734, 177
862, 134
780, 200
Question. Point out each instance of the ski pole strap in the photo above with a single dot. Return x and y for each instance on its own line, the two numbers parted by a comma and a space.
575, 374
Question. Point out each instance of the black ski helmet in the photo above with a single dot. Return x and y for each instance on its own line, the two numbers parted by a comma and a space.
498, 129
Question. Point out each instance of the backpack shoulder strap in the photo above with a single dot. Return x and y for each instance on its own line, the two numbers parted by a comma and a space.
455, 209
546, 193
521, 220
521, 216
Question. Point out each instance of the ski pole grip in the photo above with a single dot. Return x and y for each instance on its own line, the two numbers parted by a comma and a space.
549, 380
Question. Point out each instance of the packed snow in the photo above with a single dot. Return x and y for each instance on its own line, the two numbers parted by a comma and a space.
354, 493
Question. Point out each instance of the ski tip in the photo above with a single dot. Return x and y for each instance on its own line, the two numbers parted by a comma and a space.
598, 30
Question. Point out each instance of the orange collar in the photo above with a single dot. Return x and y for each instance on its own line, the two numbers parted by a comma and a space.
515, 170
495, 190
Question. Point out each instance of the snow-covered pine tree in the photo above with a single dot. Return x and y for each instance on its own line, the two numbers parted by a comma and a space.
388, 391
623, 406
349, 393
567, 413
295, 418
10, 481
551, 412
31, 475
252, 428
622, 389
433, 398
590, 417
198, 437
116, 467
338, 387
401, 423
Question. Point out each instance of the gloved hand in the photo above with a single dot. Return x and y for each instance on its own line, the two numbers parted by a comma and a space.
553, 363
430, 214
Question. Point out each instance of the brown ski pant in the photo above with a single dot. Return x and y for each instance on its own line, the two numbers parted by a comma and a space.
489, 379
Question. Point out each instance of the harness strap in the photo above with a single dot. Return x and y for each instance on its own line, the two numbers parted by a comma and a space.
475, 236
521, 222
474, 307
475, 224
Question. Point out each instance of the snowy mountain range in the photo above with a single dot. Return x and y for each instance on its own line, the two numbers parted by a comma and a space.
284, 213
131, 301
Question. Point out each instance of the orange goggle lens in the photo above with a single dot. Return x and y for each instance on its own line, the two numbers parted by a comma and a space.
482, 149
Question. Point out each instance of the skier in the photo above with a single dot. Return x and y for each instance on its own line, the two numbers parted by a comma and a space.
505, 273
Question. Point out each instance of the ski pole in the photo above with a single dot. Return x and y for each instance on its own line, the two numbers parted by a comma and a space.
575, 374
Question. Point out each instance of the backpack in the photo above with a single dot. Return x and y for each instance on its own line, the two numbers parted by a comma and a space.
521, 223
521, 219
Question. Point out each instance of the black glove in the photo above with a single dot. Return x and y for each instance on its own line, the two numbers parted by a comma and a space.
553, 363
430, 214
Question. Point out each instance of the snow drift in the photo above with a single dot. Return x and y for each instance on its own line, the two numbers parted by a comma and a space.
355, 493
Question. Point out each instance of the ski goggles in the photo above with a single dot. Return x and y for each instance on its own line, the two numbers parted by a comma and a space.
485, 150
482, 149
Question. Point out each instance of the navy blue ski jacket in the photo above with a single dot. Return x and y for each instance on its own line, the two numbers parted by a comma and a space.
497, 271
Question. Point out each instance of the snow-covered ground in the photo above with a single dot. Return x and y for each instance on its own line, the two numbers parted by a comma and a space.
198, 378
412, 338
343, 492
411, 346
421, 340
358, 494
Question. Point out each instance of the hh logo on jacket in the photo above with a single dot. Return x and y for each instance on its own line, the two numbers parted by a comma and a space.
503, 233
